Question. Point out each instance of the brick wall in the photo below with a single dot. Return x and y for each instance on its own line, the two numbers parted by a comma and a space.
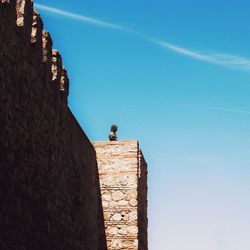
123, 180
49, 185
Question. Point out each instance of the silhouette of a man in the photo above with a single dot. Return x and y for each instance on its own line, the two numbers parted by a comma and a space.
112, 134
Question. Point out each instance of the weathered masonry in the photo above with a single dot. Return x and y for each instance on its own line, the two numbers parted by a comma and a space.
49, 184
123, 181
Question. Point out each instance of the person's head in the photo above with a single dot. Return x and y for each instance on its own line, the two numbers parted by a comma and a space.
114, 128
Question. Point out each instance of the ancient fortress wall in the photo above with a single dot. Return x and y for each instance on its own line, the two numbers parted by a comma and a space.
49, 185
123, 180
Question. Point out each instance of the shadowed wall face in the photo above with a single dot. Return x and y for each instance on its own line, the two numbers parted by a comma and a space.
49, 185
123, 180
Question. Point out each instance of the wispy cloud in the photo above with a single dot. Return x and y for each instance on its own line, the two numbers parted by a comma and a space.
226, 60
82, 18
245, 112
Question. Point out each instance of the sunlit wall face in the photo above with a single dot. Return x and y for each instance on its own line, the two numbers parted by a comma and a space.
187, 103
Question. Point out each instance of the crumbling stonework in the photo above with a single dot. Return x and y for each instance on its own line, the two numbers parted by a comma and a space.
123, 180
49, 185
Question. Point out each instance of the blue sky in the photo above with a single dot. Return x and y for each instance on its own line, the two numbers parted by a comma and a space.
176, 76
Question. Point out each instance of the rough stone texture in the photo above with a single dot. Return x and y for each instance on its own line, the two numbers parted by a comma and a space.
49, 185
123, 180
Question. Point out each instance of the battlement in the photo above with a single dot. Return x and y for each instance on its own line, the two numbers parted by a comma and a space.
30, 32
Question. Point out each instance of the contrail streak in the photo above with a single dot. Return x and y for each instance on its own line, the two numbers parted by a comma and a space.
82, 18
226, 60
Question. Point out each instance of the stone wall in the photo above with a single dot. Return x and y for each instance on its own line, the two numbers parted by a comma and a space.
49, 185
123, 180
